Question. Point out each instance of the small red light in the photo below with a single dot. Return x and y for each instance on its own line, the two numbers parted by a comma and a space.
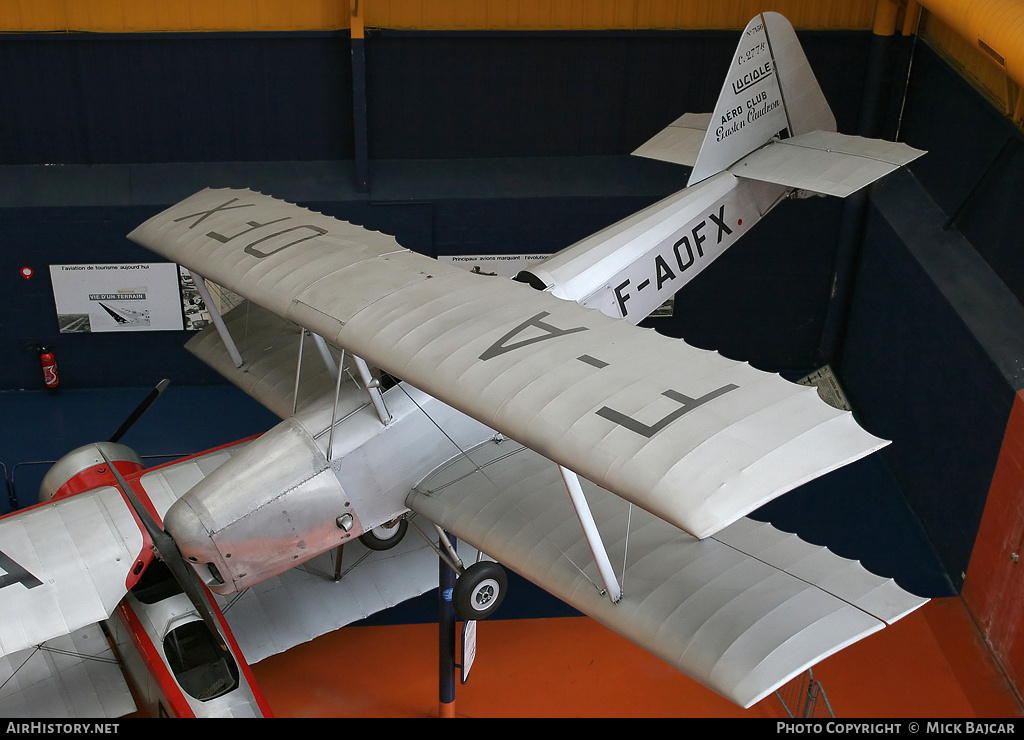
26, 272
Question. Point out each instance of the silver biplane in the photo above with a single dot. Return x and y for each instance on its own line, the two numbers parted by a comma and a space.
530, 418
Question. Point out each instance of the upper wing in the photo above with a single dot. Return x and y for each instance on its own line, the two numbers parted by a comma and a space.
741, 612
693, 437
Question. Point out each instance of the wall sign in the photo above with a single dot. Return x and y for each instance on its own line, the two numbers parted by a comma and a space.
117, 297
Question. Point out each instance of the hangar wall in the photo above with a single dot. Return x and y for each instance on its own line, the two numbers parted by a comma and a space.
934, 346
477, 140
107, 129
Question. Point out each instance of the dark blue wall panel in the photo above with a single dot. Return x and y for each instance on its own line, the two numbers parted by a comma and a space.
90, 99
87, 98
40, 237
974, 169
764, 300
932, 362
515, 95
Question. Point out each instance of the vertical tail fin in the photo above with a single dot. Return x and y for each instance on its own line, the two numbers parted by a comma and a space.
770, 91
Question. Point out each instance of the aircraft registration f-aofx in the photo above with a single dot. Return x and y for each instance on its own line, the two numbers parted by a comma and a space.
530, 418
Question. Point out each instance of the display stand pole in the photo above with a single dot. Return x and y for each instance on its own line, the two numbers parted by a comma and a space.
446, 636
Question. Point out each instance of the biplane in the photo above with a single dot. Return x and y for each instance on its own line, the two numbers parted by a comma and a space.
530, 418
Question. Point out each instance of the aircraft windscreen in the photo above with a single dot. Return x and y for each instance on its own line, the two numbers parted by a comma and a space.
156, 584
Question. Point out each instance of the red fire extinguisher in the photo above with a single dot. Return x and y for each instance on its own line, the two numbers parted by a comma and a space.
48, 363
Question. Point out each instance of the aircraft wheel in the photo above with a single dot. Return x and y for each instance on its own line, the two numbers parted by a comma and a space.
479, 590
385, 536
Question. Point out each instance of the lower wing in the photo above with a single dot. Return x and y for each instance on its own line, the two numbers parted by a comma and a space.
741, 612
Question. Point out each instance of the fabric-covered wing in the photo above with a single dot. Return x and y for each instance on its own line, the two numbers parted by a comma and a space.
741, 612
66, 566
72, 676
306, 602
269, 347
693, 437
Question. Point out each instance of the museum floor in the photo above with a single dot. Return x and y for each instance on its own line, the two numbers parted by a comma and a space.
932, 664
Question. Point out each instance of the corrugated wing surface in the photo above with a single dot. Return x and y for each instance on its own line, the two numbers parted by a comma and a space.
741, 612
687, 434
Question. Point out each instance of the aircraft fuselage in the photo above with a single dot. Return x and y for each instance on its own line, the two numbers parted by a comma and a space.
630, 268
298, 491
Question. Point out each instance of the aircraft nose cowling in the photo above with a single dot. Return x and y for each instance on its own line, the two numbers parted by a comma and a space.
194, 541
273, 505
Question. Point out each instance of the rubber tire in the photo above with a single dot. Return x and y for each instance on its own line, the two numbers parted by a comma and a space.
395, 534
479, 591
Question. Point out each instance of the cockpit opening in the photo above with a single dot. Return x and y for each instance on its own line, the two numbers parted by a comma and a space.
202, 667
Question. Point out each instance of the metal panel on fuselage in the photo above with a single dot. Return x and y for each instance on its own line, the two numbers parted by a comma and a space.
280, 501
635, 265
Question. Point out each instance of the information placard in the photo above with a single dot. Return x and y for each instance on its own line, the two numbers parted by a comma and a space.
117, 297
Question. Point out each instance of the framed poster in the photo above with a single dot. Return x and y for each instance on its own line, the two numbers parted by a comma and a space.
117, 297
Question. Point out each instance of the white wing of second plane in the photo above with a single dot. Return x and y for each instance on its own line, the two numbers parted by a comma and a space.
66, 565
741, 612
695, 438
72, 676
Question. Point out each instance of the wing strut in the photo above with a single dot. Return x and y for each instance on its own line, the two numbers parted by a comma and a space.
298, 373
371, 383
579, 503
325, 353
373, 388
334, 414
218, 321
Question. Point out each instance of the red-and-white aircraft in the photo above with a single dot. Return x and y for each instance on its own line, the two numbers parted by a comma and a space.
530, 418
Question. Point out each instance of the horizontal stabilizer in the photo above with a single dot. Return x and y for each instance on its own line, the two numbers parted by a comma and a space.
66, 565
741, 612
825, 162
679, 142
